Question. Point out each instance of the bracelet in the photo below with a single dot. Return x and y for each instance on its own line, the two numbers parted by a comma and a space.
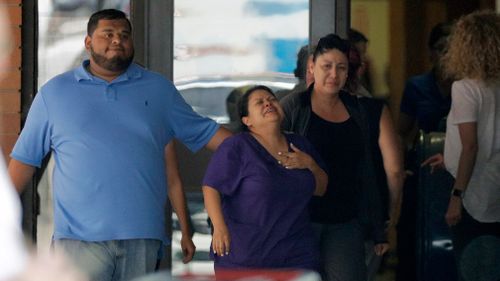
457, 192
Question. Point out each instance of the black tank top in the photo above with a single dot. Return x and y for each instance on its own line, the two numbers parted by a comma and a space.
341, 148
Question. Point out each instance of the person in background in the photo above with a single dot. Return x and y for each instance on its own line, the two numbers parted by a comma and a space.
257, 188
232, 101
387, 156
360, 42
426, 98
108, 123
336, 124
353, 84
472, 144
301, 71
426, 101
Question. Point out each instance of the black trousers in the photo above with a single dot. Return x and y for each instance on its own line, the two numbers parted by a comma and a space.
477, 248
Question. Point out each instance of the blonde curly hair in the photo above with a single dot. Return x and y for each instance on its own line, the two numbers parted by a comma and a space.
474, 47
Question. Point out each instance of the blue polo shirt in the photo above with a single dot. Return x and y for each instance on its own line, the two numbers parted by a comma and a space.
108, 142
422, 99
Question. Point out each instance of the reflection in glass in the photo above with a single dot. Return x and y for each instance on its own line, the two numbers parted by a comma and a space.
220, 37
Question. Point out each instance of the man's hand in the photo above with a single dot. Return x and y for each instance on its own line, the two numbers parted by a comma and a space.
188, 248
381, 248
392, 222
436, 161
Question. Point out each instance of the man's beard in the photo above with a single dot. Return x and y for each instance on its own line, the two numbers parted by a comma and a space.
115, 64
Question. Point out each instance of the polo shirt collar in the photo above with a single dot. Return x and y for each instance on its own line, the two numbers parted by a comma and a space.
133, 72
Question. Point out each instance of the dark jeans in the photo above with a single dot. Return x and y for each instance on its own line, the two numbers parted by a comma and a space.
471, 239
406, 269
342, 249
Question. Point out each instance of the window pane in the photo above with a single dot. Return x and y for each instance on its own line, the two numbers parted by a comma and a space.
223, 44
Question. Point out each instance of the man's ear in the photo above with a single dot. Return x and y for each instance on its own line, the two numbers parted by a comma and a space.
88, 41
310, 65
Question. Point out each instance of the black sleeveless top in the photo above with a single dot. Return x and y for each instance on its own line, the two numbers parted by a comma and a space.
340, 145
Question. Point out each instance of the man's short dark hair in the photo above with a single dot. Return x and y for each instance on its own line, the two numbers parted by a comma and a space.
108, 14
439, 32
355, 36
301, 68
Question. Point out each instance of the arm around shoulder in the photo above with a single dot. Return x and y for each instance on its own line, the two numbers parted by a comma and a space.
219, 136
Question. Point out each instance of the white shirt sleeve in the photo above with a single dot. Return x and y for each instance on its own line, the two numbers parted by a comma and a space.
465, 103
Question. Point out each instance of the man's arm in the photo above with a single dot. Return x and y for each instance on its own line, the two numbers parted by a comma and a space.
407, 125
221, 134
20, 174
393, 163
178, 200
406, 129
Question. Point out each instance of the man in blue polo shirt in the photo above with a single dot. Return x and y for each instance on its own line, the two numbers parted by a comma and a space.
107, 124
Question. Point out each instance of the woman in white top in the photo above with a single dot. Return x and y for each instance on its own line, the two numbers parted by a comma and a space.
472, 145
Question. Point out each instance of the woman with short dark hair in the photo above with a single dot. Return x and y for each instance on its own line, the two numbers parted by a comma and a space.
335, 122
257, 188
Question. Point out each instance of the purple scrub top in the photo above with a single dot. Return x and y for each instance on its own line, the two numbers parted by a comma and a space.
264, 205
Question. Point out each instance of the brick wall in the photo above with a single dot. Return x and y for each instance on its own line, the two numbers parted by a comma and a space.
10, 85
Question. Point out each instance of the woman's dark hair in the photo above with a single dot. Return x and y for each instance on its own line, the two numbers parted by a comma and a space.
243, 102
331, 42
107, 14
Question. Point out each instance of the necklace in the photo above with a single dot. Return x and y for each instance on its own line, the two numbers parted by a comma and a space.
273, 150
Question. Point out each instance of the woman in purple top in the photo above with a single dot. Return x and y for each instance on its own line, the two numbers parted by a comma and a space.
257, 188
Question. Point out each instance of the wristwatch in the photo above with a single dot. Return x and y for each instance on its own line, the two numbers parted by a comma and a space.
457, 192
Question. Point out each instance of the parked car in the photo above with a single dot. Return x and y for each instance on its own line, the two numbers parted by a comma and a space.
207, 95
